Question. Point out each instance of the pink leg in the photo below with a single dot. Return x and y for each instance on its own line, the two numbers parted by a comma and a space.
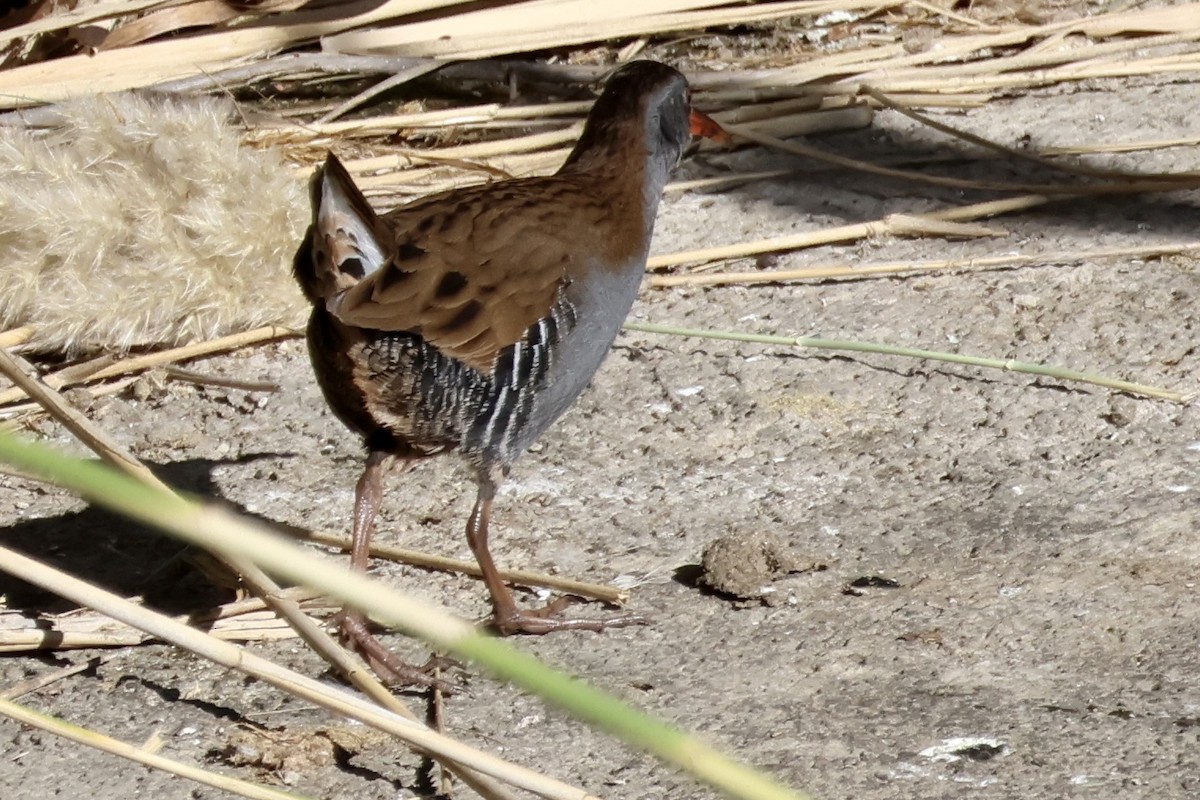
509, 618
368, 495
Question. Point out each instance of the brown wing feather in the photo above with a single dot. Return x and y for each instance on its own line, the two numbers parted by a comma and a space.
469, 273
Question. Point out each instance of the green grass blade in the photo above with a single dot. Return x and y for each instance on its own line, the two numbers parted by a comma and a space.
1008, 364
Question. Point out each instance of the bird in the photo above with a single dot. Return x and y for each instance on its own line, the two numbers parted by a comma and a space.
467, 322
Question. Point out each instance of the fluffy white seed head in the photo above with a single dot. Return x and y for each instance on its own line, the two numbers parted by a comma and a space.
140, 220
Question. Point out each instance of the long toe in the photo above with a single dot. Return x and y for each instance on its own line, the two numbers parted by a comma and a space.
540, 621
393, 670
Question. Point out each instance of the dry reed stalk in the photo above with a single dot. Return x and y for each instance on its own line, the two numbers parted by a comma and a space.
889, 268
71, 17
76, 423
786, 126
830, 94
951, 80
1035, 80
301, 67
20, 413
99, 631
519, 144
745, 111
33, 640
249, 605
931, 100
723, 181
382, 174
203, 379
105, 367
1120, 147
331, 698
176, 58
161, 21
956, 64
373, 126
352, 668
453, 174
921, 225
596, 591
846, 233
544, 161
38, 682
938, 11
241, 621
540, 24
235, 341
391, 82
141, 755
488, 116
957, 49
773, 116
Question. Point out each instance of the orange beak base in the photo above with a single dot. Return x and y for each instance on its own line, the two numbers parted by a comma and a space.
706, 126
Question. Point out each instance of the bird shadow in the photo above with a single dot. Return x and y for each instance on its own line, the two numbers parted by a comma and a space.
120, 555
816, 189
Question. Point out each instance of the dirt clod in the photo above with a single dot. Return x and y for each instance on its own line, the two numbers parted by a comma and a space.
746, 566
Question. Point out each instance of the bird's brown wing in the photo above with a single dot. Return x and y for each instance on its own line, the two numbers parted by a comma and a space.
469, 272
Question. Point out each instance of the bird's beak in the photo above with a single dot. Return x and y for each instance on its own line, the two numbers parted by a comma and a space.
706, 126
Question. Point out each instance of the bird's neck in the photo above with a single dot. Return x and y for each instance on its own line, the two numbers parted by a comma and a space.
620, 168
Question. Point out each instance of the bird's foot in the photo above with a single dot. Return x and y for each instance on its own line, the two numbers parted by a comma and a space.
389, 667
510, 619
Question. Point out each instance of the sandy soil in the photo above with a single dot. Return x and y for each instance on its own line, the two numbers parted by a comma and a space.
1025, 551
